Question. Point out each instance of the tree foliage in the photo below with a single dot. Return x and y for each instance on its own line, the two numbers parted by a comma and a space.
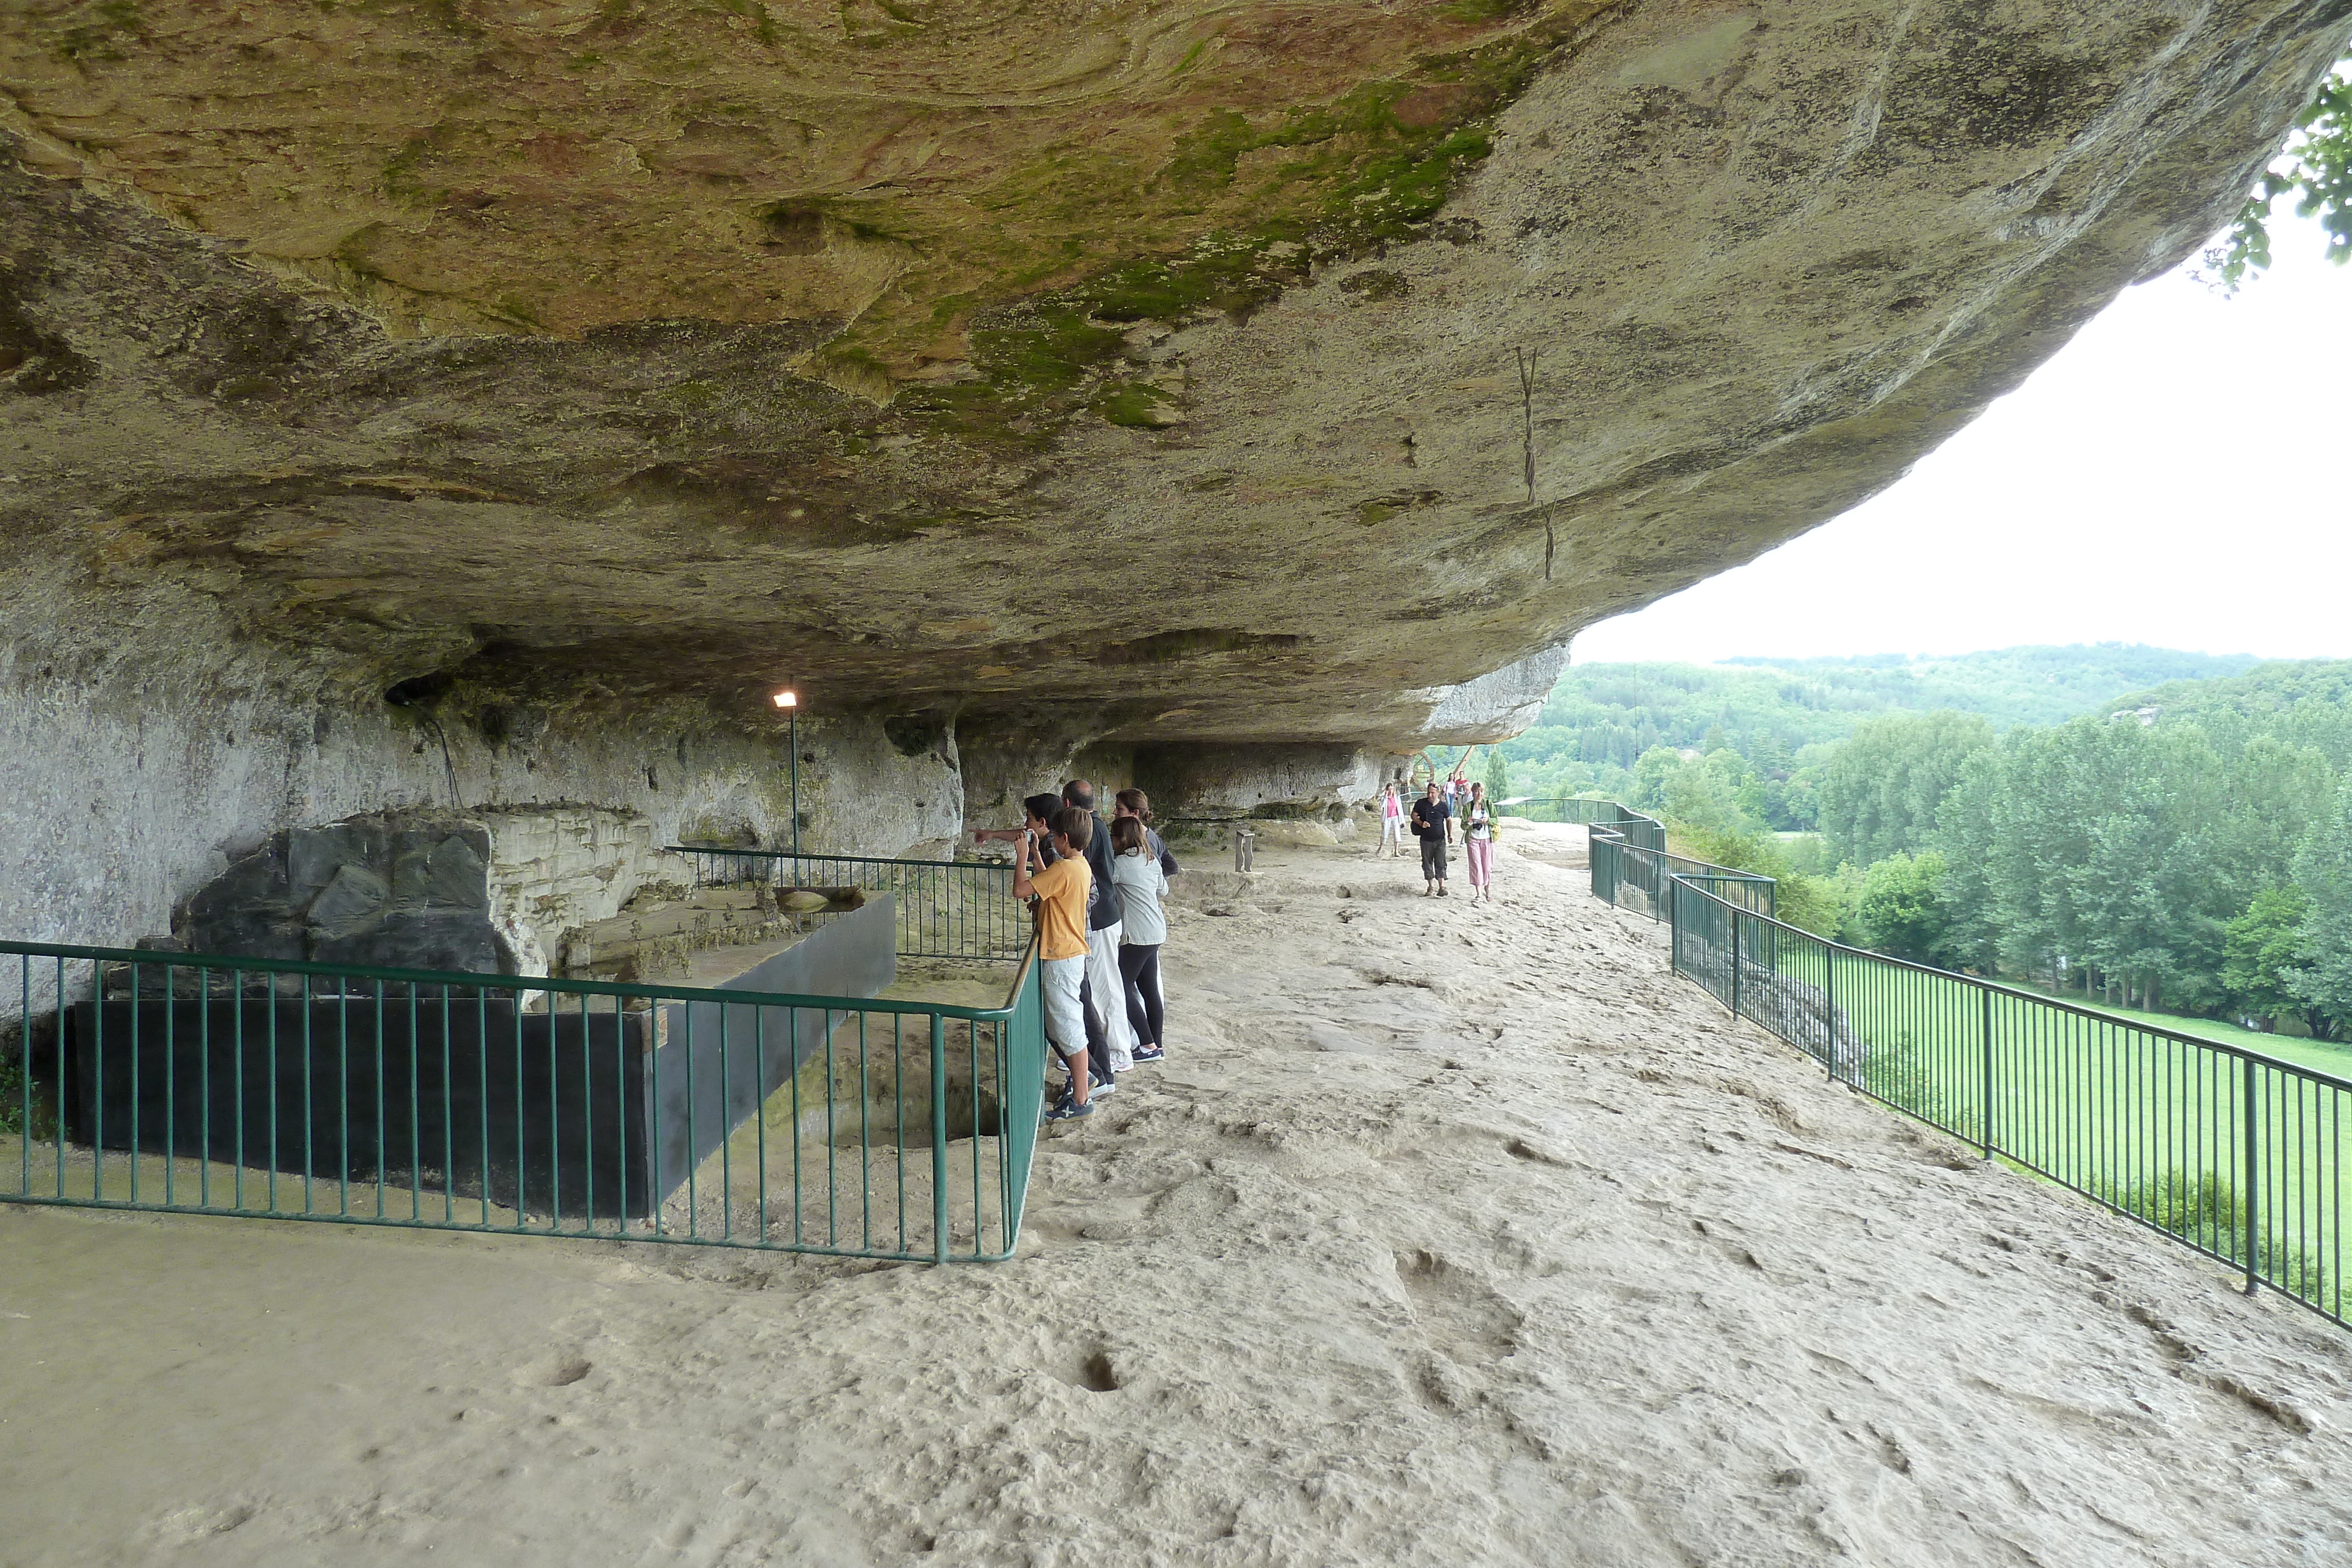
1812, 904
1498, 774
1880, 791
2190, 850
2262, 954
2316, 169
2323, 872
1900, 910
1784, 716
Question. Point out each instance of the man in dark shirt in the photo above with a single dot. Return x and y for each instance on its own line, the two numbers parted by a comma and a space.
1432, 824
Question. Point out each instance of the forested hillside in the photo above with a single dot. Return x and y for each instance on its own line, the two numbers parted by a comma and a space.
2186, 847
1601, 718
2305, 703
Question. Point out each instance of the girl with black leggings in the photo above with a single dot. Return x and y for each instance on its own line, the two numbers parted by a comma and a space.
1136, 873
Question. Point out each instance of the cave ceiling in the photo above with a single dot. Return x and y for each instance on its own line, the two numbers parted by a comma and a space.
1161, 361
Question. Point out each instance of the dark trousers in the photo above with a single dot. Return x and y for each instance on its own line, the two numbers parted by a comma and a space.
1098, 1037
1139, 967
1432, 857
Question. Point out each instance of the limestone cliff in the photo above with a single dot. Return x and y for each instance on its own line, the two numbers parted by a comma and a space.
1012, 378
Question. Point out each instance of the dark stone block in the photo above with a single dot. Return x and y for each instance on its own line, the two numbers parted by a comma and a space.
450, 1097
457, 876
581, 1111
348, 904
455, 939
394, 890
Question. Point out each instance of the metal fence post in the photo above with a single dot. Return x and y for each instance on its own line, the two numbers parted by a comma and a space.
2252, 1124
1829, 1008
1986, 1128
1734, 962
939, 1140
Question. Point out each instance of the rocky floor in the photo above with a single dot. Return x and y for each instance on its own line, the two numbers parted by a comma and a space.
1447, 1234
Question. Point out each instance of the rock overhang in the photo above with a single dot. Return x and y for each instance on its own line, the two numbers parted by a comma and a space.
1150, 372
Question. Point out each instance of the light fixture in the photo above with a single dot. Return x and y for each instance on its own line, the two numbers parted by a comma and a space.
789, 701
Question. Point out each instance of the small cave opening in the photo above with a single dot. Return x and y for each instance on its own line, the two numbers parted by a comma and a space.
418, 690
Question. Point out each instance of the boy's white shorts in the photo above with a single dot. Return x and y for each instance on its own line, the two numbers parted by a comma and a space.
1066, 1020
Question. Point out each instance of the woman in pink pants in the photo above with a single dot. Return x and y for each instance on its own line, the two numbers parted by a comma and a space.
1479, 825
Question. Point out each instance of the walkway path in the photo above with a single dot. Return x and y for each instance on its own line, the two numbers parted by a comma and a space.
1448, 1236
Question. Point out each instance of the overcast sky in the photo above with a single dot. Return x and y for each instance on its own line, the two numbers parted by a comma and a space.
2179, 474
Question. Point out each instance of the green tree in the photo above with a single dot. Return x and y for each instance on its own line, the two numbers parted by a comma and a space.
2110, 851
1809, 903
1965, 837
2323, 874
1880, 790
2315, 168
1498, 774
1901, 911
2263, 952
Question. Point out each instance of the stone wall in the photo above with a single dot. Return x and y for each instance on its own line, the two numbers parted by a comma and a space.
128, 783
557, 869
1240, 780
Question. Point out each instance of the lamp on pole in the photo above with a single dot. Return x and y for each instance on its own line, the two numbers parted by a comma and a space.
789, 701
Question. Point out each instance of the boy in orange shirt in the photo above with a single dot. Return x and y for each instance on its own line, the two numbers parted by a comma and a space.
1061, 892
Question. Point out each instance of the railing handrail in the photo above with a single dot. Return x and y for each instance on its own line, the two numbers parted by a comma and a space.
813, 856
156, 957
2242, 1053
1609, 833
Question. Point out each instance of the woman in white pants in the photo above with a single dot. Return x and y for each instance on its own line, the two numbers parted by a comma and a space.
1391, 820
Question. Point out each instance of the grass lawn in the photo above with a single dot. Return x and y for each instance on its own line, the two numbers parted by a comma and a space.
2118, 1106
2317, 1055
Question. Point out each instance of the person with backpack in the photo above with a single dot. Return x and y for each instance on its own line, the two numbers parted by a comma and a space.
1432, 824
1479, 830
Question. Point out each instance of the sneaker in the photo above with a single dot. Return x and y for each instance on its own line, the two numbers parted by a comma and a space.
1068, 1110
1145, 1055
1440, 890
1099, 1087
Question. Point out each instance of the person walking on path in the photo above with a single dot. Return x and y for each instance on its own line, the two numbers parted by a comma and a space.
1478, 834
1391, 820
1432, 824
1060, 890
1142, 883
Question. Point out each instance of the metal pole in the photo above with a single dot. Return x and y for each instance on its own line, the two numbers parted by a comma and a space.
1735, 961
796, 778
2253, 1176
1988, 1072
939, 1140
1829, 1008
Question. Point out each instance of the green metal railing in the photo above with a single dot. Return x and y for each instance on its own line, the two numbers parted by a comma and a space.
1572, 809
946, 909
1631, 867
2240, 1156
195, 1084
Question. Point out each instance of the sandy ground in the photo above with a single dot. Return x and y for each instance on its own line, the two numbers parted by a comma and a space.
1447, 1234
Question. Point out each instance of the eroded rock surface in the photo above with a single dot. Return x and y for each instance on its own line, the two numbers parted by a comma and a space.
1196, 325
1131, 387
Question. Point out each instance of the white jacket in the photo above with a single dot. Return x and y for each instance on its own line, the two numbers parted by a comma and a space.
1141, 884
